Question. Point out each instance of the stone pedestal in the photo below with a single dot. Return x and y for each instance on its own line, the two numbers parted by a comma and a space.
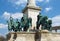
33, 36
49, 36
21, 36
44, 31
24, 36
45, 35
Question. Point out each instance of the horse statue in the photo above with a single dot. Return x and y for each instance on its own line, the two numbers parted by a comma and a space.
43, 20
11, 24
15, 26
26, 23
23, 25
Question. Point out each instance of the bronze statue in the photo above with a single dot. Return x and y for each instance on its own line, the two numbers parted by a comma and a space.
43, 20
10, 24
23, 25
26, 23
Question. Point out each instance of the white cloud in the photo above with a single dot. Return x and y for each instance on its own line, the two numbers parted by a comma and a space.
43, 1
47, 0
20, 2
48, 9
17, 15
40, 0
7, 15
3, 25
17, 2
55, 20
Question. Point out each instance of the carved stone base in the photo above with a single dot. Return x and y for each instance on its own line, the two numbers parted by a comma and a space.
23, 36
46, 31
43, 35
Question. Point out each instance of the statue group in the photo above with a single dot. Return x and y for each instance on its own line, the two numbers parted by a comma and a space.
25, 23
44, 22
17, 25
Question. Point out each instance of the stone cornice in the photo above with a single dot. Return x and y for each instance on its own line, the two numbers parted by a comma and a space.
23, 32
31, 7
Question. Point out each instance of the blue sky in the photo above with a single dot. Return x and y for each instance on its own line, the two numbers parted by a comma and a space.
50, 8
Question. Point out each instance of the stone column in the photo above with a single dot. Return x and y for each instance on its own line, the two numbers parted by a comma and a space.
31, 3
32, 11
